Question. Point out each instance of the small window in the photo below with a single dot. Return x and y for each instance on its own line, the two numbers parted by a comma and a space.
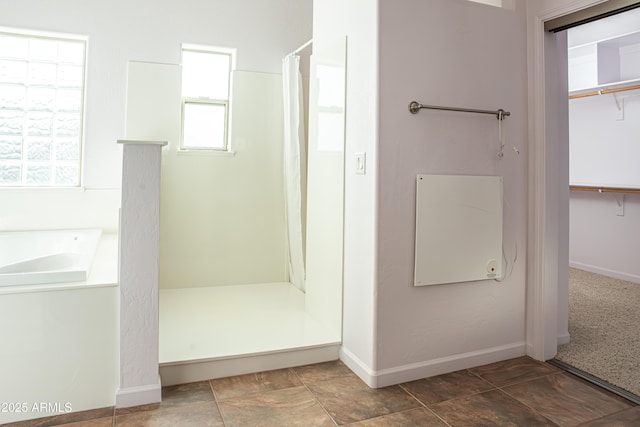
206, 83
41, 109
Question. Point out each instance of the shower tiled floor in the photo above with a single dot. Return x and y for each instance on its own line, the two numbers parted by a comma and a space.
517, 392
222, 321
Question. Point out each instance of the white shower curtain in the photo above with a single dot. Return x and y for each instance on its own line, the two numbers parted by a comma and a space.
294, 166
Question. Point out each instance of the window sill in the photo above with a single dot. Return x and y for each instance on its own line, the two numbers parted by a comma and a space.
45, 189
206, 153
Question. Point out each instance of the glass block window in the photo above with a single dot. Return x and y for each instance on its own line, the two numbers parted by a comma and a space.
41, 110
206, 83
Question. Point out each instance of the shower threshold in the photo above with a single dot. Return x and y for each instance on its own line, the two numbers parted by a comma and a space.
212, 332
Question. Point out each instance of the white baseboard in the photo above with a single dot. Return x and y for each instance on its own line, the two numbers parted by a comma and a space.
135, 396
564, 339
416, 371
605, 272
357, 366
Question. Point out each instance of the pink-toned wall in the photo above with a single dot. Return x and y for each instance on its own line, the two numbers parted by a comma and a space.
449, 52
452, 53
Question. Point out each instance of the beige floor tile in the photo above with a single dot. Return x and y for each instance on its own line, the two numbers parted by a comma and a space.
565, 400
202, 414
240, 385
419, 417
348, 399
489, 409
448, 386
513, 371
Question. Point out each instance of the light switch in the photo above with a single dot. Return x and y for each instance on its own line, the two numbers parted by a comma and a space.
361, 163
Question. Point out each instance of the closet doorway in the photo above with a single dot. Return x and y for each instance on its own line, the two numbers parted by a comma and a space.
603, 58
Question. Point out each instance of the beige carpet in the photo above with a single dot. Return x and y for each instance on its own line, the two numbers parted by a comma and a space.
604, 324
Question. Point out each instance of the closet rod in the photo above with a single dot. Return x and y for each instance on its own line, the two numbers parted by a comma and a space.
604, 91
500, 114
604, 189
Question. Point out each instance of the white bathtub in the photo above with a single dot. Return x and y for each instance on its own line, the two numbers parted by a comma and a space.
37, 257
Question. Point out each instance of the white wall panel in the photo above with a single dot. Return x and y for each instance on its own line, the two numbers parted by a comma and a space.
458, 229
61, 349
222, 215
325, 192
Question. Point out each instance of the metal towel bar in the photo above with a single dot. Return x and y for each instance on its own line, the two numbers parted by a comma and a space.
500, 114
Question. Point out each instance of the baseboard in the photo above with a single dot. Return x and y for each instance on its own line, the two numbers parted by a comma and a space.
357, 366
200, 370
415, 371
135, 396
605, 272
564, 339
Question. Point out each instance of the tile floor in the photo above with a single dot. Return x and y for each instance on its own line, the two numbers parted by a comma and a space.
517, 392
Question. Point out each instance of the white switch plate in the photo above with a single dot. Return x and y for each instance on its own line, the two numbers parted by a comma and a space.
361, 163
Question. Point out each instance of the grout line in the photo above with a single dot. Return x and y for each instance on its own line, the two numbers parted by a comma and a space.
438, 416
314, 396
556, 371
215, 400
424, 405
502, 388
478, 376
466, 396
604, 417
213, 391
530, 407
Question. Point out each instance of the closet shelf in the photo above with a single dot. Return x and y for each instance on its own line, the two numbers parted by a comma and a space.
605, 63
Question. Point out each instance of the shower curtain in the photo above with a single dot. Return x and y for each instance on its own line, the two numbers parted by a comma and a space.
294, 167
